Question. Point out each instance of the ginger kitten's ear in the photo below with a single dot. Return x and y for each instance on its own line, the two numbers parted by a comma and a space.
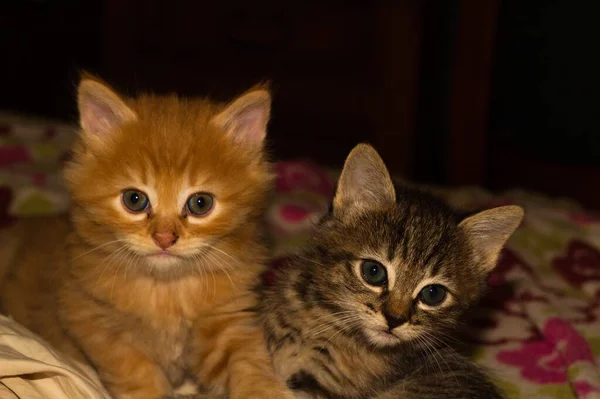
365, 182
246, 118
101, 110
489, 230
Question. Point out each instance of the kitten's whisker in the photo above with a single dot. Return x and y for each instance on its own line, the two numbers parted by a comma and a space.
197, 266
212, 273
423, 344
222, 268
214, 247
112, 288
343, 316
431, 336
451, 338
433, 355
109, 260
97, 248
344, 328
135, 257
332, 324
204, 277
225, 253
339, 329
321, 328
127, 267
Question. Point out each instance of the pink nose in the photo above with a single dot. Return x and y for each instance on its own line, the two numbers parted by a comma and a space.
165, 240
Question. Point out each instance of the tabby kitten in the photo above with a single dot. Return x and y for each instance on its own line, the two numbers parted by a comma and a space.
367, 309
149, 280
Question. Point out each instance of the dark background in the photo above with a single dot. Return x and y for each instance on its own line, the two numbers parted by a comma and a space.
487, 92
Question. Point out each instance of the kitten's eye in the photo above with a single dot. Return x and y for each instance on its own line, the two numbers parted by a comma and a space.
135, 200
432, 295
199, 204
373, 272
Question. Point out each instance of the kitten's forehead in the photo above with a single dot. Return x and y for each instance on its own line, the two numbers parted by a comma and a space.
407, 233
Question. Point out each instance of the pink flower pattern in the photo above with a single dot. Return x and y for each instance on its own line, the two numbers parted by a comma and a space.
546, 361
552, 348
580, 264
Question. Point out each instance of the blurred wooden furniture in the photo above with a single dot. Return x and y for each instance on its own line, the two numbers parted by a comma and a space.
470, 91
342, 71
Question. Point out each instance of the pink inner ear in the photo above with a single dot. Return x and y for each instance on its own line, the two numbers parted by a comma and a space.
97, 117
250, 124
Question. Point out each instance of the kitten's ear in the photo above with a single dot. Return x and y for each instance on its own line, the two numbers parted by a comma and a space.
101, 110
246, 118
365, 182
489, 230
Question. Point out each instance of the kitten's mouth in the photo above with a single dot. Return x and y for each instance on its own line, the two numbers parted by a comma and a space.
383, 337
163, 260
164, 254
388, 333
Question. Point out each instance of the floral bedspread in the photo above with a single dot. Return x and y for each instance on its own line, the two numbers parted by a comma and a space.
538, 328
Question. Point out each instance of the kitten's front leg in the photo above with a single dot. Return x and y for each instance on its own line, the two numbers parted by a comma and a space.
253, 377
236, 359
128, 373
125, 370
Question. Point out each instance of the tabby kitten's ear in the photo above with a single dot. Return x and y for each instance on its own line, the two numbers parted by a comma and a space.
489, 230
101, 110
364, 183
245, 119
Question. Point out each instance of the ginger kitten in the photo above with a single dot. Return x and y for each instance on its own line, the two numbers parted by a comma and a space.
368, 309
149, 280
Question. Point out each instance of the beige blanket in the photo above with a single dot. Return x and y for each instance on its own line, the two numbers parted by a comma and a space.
31, 369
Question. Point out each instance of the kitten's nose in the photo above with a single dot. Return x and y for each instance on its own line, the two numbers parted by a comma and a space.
393, 321
165, 240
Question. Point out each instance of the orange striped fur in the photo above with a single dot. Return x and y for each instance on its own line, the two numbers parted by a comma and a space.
100, 288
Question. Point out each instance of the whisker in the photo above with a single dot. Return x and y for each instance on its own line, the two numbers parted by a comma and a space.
108, 261
332, 324
112, 288
221, 267
97, 248
202, 276
343, 329
135, 258
223, 252
432, 337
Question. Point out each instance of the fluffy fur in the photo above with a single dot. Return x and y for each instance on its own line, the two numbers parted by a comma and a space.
152, 297
334, 335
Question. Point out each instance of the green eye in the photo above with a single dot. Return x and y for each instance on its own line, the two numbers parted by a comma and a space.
200, 204
374, 273
135, 200
432, 295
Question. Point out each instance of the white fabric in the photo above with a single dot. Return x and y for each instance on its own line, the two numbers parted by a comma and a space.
31, 369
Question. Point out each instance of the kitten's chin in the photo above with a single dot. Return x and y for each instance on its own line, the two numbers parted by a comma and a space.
382, 338
163, 261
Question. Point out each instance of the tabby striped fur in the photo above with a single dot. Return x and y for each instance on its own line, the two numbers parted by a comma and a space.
326, 328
